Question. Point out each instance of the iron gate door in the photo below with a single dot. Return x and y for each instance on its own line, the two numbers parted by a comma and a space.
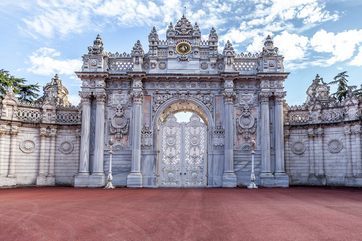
183, 159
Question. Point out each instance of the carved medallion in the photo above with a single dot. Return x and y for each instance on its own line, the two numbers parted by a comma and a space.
28, 146
119, 123
183, 48
335, 146
66, 147
298, 148
162, 65
146, 66
204, 65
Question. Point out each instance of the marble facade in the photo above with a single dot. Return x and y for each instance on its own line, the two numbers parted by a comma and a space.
130, 97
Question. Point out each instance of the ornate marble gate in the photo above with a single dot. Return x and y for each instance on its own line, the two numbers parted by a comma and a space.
183, 159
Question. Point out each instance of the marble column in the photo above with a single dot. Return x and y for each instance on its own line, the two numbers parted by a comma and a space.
81, 180
278, 125
53, 135
265, 133
98, 176
134, 179
41, 179
13, 147
3, 131
229, 177
357, 169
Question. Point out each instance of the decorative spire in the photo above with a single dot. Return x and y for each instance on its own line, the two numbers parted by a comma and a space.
137, 49
153, 36
196, 31
213, 37
97, 46
170, 31
269, 48
55, 91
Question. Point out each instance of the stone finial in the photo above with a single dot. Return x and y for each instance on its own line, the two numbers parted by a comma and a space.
170, 32
57, 91
213, 37
196, 31
228, 49
183, 26
318, 91
153, 36
97, 46
269, 48
137, 49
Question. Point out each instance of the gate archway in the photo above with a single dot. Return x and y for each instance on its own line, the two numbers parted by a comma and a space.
182, 147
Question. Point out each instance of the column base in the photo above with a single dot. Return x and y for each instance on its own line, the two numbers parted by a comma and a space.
81, 180
267, 179
7, 181
229, 179
281, 179
45, 181
97, 179
134, 179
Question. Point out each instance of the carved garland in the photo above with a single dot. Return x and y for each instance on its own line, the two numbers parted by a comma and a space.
119, 124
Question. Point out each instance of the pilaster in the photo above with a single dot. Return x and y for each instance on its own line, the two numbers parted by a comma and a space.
357, 162
13, 147
3, 170
134, 179
81, 180
42, 178
97, 179
266, 177
347, 133
281, 178
229, 177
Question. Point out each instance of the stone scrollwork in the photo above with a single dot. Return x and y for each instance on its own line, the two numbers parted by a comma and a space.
219, 136
119, 124
245, 124
146, 135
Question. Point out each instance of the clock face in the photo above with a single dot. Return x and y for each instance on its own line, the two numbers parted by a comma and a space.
183, 48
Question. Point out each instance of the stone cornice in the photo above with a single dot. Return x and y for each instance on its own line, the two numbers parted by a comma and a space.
92, 75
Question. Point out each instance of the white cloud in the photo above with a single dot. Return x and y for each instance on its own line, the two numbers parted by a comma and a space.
357, 60
74, 99
341, 45
46, 61
291, 46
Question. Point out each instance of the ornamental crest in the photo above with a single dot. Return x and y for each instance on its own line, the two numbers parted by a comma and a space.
119, 124
245, 124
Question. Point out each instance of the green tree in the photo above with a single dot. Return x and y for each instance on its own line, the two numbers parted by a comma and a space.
28, 92
358, 92
24, 92
342, 89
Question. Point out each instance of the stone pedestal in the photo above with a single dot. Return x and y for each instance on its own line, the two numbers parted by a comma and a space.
81, 180
97, 180
134, 179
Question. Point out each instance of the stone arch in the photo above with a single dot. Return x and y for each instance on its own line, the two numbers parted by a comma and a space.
162, 113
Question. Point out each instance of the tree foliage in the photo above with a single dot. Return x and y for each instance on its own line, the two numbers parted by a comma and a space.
25, 92
342, 88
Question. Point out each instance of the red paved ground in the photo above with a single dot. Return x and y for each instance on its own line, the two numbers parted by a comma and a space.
298, 213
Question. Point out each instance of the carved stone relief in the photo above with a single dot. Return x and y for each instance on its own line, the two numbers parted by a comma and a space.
335, 146
119, 124
146, 135
298, 147
28, 144
219, 136
245, 124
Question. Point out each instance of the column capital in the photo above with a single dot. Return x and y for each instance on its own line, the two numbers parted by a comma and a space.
320, 131
14, 130
53, 132
279, 96
100, 96
3, 130
137, 96
43, 132
264, 96
310, 132
229, 97
85, 96
356, 129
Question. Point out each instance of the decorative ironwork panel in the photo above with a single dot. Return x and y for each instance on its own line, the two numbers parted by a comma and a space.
183, 153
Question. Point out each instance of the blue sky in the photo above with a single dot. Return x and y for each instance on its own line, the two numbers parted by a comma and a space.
43, 37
